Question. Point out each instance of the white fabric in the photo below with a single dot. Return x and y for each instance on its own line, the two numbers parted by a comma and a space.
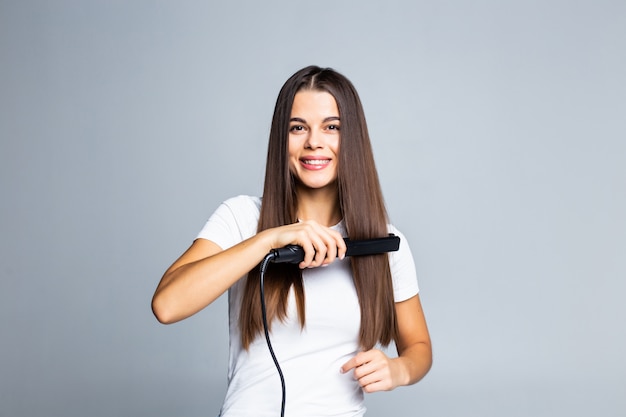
310, 358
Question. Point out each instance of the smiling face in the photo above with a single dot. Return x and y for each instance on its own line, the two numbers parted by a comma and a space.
314, 139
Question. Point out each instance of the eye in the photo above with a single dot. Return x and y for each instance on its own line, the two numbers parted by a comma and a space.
296, 128
333, 127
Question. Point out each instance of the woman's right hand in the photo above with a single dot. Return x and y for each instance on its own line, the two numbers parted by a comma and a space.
321, 244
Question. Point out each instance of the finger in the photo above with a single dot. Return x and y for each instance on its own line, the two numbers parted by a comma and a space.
351, 364
316, 249
382, 385
323, 243
309, 253
356, 361
369, 362
336, 246
364, 370
369, 379
341, 246
321, 251
305, 239
331, 248
319, 248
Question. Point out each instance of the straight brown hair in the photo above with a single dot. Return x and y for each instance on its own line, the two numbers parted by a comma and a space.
361, 204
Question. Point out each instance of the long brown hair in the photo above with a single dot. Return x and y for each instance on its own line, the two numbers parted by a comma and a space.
361, 204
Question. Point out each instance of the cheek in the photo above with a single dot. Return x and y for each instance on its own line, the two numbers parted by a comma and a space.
292, 166
336, 146
292, 146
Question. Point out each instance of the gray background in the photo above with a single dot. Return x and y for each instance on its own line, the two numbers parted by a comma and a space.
499, 132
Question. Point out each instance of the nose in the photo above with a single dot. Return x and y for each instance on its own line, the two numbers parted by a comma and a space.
314, 140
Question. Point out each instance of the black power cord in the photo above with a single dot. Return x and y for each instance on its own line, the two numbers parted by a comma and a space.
295, 254
269, 258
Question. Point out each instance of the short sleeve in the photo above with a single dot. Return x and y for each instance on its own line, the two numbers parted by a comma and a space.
235, 220
403, 271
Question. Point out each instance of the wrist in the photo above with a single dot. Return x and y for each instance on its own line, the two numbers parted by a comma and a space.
265, 241
402, 371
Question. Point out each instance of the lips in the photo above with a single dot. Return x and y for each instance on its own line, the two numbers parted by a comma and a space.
314, 163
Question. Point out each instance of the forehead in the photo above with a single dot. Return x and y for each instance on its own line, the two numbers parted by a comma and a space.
314, 102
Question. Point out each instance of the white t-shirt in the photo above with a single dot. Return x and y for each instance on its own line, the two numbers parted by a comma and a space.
310, 358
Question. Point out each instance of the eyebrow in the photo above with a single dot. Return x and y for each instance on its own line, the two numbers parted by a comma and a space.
328, 119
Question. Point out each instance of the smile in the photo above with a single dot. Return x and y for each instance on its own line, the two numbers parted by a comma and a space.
317, 162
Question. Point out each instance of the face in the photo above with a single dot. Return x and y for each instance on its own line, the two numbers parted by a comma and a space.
314, 139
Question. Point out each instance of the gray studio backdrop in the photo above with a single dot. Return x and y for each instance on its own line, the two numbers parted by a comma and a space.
499, 134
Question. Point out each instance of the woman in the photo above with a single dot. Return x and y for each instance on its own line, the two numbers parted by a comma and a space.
328, 313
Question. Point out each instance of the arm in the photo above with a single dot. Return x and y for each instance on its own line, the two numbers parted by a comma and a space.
375, 371
205, 271
413, 344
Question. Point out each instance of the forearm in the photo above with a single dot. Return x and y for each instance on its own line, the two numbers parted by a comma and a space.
413, 363
190, 286
413, 342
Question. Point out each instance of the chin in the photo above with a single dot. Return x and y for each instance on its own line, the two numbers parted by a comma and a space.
319, 185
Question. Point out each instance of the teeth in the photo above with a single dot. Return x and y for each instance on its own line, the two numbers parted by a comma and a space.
317, 161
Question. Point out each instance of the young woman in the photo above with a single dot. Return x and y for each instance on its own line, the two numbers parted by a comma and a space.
328, 314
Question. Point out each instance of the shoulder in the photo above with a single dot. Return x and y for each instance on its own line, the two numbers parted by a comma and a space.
234, 220
242, 208
244, 202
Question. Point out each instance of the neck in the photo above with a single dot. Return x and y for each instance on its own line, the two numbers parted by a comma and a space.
321, 206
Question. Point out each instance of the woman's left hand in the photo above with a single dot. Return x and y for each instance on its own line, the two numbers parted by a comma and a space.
374, 370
